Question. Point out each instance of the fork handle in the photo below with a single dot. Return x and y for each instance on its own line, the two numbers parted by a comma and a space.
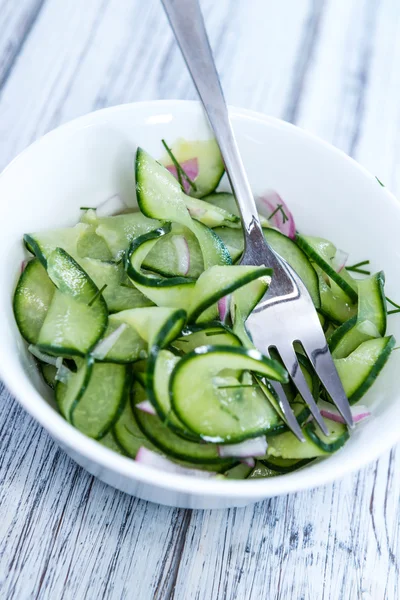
188, 26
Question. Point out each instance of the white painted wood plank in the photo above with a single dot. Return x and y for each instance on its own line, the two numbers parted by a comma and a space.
357, 106
64, 534
318, 544
16, 22
62, 531
52, 52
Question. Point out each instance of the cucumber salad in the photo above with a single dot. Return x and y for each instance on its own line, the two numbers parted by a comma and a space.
136, 318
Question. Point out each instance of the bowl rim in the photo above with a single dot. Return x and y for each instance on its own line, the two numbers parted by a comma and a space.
91, 450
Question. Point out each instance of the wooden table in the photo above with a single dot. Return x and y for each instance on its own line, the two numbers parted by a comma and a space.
330, 66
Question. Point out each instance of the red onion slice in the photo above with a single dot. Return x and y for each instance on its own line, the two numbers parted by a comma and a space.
339, 260
250, 462
191, 168
247, 449
223, 307
327, 410
196, 212
268, 205
146, 406
23, 265
111, 207
151, 459
104, 346
183, 253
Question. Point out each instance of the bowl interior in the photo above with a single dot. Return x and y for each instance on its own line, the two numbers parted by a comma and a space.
91, 159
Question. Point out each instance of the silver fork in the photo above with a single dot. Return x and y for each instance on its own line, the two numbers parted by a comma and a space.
286, 314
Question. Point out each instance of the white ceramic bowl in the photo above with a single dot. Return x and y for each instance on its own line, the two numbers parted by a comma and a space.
90, 159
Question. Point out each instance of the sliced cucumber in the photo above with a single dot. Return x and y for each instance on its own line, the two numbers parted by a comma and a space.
141, 377
206, 406
213, 249
227, 202
209, 162
335, 303
322, 252
68, 394
243, 301
217, 282
287, 446
330, 328
175, 446
109, 441
127, 432
182, 451
119, 232
213, 284
285, 247
159, 368
261, 471
177, 253
233, 241
94, 397
49, 374
103, 400
300, 409
288, 250
158, 326
210, 215
91, 245
32, 299
370, 322
77, 316
172, 291
359, 370
160, 197
206, 335
43, 243
246, 298
338, 435
120, 293
350, 335
240, 471
284, 465
157, 385
128, 347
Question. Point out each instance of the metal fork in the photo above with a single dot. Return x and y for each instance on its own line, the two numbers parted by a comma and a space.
286, 314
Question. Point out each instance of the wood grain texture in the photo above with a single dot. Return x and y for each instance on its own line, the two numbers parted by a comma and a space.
330, 66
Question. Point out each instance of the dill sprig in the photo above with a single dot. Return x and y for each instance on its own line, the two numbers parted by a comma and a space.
356, 268
179, 169
97, 294
280, 209
396, 309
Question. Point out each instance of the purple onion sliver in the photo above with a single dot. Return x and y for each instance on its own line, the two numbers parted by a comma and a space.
191, 168
146, 406
360, 417
339, 260
328, 411
331, 416
152, 459
250, 462
268, 204
247, 449
223, 308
